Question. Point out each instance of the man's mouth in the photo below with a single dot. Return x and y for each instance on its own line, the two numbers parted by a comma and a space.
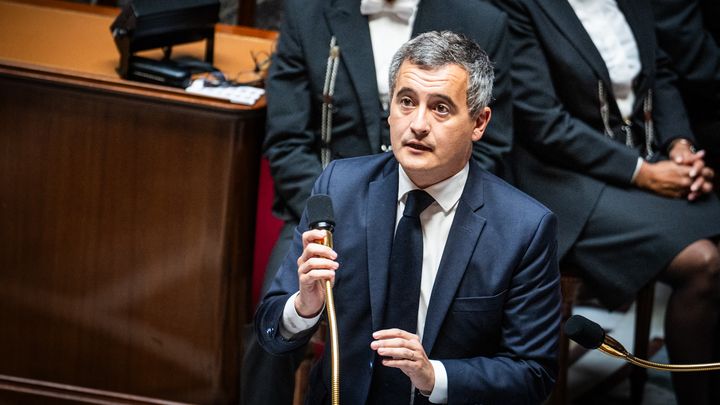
418, 146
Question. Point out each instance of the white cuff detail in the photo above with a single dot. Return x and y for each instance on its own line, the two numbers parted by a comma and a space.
439, 394
292, 323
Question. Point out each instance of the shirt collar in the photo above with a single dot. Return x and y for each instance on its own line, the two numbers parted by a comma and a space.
446, 193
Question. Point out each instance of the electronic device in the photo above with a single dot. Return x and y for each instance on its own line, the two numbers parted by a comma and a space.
164, 72
151, 24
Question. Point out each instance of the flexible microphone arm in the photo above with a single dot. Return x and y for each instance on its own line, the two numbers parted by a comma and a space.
320, 216
332, 320
591, 336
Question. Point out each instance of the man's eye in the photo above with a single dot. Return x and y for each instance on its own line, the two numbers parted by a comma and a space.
406, 102
442, 109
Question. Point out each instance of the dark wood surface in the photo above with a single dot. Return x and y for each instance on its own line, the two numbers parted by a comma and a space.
126, 224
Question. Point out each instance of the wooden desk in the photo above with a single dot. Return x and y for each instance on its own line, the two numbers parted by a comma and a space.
126, 217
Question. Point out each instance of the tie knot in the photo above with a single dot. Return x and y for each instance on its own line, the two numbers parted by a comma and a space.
416, 202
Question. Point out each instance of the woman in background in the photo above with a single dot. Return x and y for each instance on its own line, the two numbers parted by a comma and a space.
603, 140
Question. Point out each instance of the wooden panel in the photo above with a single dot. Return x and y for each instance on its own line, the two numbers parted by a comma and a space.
115, 241
126, 223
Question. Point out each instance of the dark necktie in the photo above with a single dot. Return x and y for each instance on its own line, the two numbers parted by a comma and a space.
392, 386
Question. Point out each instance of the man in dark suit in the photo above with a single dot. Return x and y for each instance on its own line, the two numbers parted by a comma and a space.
297, 77
487, 288
295, 90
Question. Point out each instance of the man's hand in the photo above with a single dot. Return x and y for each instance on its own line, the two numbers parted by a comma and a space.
315, 265
404, 350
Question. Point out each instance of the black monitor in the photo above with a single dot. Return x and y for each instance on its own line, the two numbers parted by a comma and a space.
151, 24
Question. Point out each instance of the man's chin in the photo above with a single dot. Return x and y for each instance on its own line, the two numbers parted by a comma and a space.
415, 160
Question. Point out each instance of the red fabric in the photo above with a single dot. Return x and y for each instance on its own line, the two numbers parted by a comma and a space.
267, 229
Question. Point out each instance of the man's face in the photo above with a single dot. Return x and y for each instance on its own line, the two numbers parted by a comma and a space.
431, 129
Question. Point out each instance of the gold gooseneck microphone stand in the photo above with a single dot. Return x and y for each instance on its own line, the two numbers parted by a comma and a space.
321, 216
613, 348
332, 320
590, 335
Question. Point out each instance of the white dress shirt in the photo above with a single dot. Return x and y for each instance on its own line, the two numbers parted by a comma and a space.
613, 38
436, 221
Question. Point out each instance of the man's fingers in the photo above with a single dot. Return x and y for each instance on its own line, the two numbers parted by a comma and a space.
394, 332
316, 250
313, 235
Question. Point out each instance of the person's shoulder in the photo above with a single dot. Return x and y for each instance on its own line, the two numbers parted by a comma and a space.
483, 10
362, 163
301, 9
502, 195
477, 19
361, 167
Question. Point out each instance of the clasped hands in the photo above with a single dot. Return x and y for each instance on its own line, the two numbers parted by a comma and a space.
399, 349
683, 175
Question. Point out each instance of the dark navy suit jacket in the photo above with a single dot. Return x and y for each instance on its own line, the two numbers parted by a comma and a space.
493, 316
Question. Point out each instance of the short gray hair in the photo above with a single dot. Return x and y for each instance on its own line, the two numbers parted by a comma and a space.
436, 49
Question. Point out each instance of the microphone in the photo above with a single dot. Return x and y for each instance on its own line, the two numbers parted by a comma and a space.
590, 335
320, 215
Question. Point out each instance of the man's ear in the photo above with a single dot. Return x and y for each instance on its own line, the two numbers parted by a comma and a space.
481, 122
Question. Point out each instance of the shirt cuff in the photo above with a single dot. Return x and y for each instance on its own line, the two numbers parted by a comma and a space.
439, 394
637, 169
292, 323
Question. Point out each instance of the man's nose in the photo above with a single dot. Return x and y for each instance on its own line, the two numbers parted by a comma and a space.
420, 125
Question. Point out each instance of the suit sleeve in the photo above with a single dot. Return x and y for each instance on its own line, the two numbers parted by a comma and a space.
543, 125
524, 370
693, 53
269, 314
492, 150
291, 144
669, 114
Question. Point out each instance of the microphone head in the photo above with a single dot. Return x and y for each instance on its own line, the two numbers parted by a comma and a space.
585, 332
320, 212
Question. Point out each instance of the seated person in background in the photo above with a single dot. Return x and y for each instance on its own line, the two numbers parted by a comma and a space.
468, 314
603, 140
695, 58
367, 34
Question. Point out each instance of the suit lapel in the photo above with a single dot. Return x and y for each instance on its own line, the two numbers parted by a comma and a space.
351, 30
565, 20
640, 29
459, 248
381, 211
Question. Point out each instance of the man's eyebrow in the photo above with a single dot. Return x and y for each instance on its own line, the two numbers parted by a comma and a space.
444, 97
404, 90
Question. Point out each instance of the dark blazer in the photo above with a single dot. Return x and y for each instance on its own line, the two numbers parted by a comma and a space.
695, 56
564, 157
493, 316
297, 74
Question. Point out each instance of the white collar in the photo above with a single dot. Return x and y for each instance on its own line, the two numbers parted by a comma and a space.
446, 193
